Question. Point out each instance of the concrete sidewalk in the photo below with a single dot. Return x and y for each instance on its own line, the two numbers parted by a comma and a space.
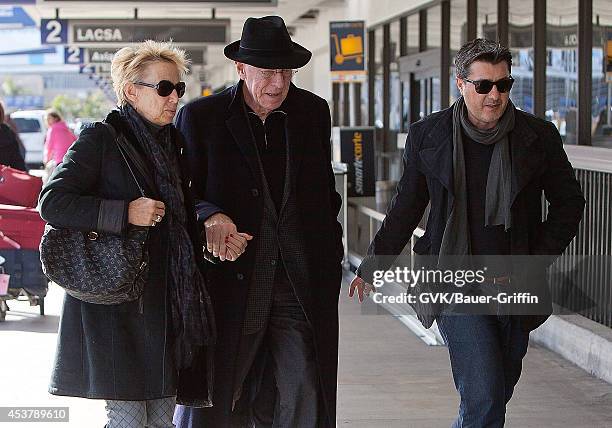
388, 377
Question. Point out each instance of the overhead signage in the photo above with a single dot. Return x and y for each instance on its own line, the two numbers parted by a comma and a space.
105, 55
53, 31
100, 56
15, 17
86, 69
347, 47
74, 55
122, 32
221, 3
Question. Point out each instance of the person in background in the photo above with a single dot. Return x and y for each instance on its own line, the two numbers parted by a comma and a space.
11, 123
59, 139
10, 151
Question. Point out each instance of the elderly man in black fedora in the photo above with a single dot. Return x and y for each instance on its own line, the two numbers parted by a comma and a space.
261, 161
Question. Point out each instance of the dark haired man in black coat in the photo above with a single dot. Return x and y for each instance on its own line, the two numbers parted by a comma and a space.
483, 165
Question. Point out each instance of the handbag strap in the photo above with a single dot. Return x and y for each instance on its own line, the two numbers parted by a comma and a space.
115, 138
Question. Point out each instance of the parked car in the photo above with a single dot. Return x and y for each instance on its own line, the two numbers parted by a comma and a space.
32, 129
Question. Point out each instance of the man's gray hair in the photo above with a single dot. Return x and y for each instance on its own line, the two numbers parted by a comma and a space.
480, 50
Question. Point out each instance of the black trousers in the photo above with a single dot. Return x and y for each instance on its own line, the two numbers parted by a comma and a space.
279, 377
284, 383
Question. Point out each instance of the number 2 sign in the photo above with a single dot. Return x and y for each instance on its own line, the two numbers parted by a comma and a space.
73, 55
53, 31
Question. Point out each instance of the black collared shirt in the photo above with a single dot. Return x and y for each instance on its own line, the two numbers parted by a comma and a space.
271, 144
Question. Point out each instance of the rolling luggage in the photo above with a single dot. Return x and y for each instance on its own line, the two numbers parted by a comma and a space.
18, 187
20, 228
25, 270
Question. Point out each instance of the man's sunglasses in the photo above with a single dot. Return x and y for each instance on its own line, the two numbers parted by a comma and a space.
484, 86
165, 87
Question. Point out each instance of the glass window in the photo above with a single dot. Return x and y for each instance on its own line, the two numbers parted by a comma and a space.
458, 37
26, 126
395, 119
520, 40
434, 22
562, 67
378, 80
413, 33
601, 108
487, 19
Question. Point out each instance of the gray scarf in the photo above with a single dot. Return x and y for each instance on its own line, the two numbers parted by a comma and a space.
191, 320
456, 238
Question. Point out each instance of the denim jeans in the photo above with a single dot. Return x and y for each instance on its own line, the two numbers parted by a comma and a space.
486, 354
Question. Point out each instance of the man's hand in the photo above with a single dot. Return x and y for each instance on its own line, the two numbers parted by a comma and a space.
363, 288
223, 239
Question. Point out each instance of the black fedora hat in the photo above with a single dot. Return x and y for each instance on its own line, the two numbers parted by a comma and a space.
266, 43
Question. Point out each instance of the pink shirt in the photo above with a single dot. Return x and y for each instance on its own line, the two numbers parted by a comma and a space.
59, 139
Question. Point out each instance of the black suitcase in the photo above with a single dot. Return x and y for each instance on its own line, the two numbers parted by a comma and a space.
25, 270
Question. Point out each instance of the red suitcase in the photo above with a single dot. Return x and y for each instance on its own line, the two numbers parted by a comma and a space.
18, 188
20, 228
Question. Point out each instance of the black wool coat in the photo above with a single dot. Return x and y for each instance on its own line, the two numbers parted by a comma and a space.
226, 178
539, 165
115, 351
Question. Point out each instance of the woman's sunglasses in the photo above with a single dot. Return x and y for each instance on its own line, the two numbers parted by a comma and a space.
484, 86
165, 87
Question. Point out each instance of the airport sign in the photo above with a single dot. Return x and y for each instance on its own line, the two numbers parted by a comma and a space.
123, 32
105, 55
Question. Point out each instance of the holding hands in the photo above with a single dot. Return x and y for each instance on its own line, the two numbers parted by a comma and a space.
223, 239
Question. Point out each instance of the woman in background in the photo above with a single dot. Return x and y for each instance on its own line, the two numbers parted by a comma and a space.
59, 139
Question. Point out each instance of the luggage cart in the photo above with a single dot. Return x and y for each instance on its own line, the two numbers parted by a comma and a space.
23, 279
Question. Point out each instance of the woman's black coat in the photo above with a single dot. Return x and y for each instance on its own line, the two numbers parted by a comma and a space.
10, 153
114, 351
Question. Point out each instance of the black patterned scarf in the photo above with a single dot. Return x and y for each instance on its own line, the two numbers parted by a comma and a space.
190, 318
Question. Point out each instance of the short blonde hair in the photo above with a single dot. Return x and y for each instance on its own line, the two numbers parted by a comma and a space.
129, 63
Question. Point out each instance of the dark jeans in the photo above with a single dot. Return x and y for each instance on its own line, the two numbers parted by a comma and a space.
486, 354
290, 361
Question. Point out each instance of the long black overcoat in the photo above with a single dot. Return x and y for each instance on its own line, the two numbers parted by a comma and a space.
114, 351
224, 168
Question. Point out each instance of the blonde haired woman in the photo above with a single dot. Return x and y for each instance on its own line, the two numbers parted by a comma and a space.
135, 354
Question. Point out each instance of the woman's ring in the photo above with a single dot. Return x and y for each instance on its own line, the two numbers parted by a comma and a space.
158, 218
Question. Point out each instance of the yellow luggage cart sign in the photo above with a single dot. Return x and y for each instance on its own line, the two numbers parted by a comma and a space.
347, 47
